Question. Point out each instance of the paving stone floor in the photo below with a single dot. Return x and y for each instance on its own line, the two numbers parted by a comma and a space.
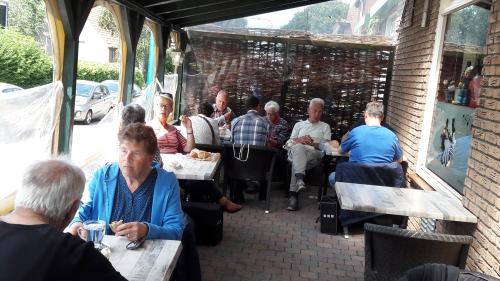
281, 245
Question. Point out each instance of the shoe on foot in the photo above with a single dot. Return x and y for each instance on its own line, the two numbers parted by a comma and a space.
231, 207
293, 203
301, 186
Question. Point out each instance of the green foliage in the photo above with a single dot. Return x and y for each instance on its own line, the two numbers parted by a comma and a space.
234, 23
107, 23
169, 64
22, 62
27, 16
318, 18
99, 72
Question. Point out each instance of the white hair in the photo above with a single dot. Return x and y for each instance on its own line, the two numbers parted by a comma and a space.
272, 107
317, 101
50, 187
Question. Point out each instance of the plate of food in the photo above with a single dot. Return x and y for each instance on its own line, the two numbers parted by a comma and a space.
203, 155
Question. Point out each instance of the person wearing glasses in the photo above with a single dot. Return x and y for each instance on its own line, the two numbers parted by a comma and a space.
170, 139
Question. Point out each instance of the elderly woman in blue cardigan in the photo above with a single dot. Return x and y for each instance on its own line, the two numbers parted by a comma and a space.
135, 190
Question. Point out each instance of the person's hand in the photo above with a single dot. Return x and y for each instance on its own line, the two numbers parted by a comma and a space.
305, 140
228, 116
186, 122
132, 230
272, 142
334, 144
227, 126
73, 229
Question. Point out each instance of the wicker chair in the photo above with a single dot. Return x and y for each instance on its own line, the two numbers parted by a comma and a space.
389, 251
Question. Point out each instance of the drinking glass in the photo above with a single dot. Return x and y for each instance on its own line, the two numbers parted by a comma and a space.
93, 230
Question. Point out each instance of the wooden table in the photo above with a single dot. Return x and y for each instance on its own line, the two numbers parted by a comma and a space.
401, 201
155, 260
190, 169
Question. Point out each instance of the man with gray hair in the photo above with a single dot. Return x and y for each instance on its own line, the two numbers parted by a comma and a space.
303, 150
371, 143
32, 235
222, 113
278, 131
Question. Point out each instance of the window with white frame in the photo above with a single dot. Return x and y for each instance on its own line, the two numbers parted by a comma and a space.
461, 63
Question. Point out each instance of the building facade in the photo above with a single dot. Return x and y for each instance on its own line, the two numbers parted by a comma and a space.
445, 107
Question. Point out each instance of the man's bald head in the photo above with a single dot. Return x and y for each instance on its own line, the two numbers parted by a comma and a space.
222, 100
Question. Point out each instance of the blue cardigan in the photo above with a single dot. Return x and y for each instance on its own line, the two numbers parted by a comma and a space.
167, 218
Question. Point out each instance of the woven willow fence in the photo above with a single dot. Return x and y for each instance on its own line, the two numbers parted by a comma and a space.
347, 72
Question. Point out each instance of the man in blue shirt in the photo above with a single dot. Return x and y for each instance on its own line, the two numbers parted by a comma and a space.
371, 143
251, 128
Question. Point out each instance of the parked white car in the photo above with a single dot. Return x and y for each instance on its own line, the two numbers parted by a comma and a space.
92, 101
113, 90
7, 88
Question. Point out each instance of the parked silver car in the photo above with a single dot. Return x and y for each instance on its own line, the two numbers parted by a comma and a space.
113, 90
7, 88
92, 100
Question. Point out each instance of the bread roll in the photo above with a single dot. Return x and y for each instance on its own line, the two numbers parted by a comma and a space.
115, 224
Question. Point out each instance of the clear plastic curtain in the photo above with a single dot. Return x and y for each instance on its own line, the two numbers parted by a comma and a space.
27, 122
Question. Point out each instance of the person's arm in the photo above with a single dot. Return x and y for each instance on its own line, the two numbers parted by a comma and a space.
398, 155
173, 218
186, 122
216, 132
327, 133
282, 135
345, 145
295, 136
91, 264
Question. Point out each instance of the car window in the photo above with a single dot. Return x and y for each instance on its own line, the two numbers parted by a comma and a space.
83, 90
8, 90
113, 87
105, 90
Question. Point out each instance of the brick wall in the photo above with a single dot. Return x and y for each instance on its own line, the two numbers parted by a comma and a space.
410, 74
405, 113
482, 188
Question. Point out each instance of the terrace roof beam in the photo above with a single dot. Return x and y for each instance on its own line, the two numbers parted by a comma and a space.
238, 12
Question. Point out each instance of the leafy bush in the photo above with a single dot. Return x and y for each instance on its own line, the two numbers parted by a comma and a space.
22, 61
104, 71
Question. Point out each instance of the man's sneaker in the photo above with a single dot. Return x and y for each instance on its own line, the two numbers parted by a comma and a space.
293, 203
301, 186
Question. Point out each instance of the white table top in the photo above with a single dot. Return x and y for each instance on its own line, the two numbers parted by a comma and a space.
401, 201
190, 169
155, 260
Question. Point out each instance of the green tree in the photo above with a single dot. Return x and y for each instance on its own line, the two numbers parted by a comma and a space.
27, 16
106, 22
22, 62
318, 18
234, 23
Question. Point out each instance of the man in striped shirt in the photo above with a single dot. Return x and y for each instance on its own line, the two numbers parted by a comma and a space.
251, 128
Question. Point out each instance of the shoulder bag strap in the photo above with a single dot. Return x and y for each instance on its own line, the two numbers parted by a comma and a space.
211, 129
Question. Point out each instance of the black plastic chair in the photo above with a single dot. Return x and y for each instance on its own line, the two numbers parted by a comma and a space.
390, 174
390, 251
259, 166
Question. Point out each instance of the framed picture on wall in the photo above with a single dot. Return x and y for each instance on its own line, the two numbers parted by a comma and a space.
406, 19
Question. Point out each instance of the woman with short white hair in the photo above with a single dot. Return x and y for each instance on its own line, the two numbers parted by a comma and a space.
32, 235
279, 130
